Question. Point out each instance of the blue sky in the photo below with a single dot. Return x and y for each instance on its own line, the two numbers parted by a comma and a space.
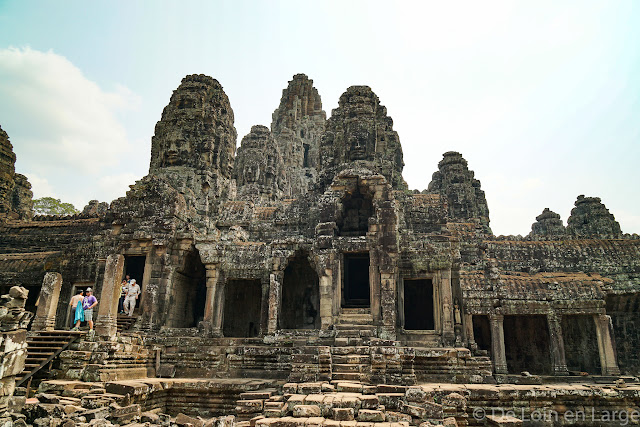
541, 98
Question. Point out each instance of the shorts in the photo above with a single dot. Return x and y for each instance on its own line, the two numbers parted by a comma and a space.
88, 314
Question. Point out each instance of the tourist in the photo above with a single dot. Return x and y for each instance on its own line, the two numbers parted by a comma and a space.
123, 293
88, 303
77, 314
133, 291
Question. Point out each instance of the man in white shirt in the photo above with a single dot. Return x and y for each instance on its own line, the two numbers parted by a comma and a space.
132, 293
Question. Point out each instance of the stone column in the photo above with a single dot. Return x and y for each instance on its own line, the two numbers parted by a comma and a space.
212, 308
107, 320
468, 331
448, 333
604, 332
275, 300
327, 296
557, 344
498, 353
45, 319
388, 306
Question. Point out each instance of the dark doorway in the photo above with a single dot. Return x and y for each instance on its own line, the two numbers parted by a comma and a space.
356, 280
357, 208
188, 293
482, 332
418, 304
242, 308
625, 318
134, 267
527, 344
300, 295
581, 344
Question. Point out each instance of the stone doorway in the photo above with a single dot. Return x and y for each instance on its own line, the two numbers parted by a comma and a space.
482, 332
300, 295
242, 303
418, 304
134, 267
356, 292
527, 344
581, 344
189, 293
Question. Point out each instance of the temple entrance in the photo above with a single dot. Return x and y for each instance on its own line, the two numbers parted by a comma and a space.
581, 344
482, 332
356, 281
527, 344
188, 294
134, 267
357, 208
242, 302
418, 304
300, 295
625, 315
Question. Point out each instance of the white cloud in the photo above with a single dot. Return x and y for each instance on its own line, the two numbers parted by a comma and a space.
58, 118
40, 186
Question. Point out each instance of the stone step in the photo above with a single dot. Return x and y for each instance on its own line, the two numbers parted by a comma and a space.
357, 359
347, 367
349, 376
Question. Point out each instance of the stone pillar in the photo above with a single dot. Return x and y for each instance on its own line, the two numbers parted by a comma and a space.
468, 331
606, 347
388, 306
213, 305
557, 344
326, 299
498, 353
275, 300
107, 320
448, 333
45, 319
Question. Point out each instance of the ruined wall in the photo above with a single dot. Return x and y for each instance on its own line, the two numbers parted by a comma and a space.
13, 344
15, 189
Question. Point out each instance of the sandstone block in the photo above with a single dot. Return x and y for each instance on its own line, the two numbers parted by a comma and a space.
342, 414
306, 411
368, 415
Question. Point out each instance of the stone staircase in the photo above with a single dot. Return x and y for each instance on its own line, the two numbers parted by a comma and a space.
43, 348
125, 322
350, 358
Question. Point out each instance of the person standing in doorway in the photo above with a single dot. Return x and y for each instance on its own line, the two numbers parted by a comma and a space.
133, 291
77, 313
88, 303
123, 293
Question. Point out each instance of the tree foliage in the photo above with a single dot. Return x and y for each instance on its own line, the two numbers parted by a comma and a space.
51, 206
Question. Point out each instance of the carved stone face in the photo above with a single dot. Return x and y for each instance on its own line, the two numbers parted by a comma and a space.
176, 148
359, 141
251, 173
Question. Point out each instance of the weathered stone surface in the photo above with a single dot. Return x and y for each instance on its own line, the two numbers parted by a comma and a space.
259, 168
297, 126
548, 225
455, 182
590, 218
15, 189
359, 134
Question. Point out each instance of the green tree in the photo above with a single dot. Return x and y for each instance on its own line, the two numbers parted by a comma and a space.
51, 206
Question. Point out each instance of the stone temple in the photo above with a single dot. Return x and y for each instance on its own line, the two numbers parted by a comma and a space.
298, 280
